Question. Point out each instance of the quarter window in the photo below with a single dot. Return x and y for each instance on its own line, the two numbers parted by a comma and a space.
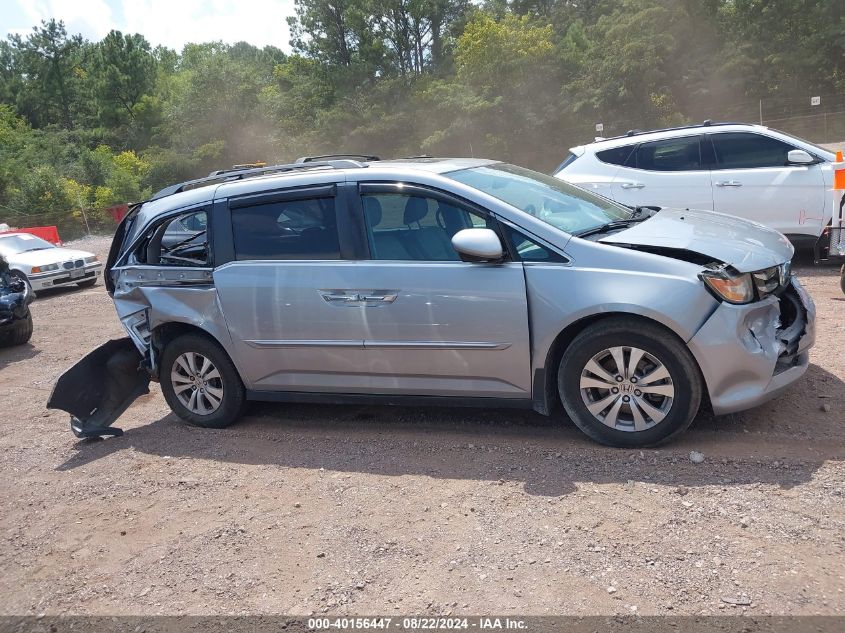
178, 241
290, 229
617, 155
676, 154
529, 250
747, 151
413, 227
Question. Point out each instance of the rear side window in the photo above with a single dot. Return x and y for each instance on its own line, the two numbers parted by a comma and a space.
742, 150
675, 154
289, 229
617, 155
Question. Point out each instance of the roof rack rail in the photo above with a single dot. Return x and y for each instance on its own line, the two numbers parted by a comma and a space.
706, 123
311, 159
226, 175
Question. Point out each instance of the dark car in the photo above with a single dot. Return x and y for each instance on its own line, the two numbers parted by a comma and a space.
15, 318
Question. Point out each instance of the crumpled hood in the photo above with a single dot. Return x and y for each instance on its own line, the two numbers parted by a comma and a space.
14, 299
47, 256
745, 245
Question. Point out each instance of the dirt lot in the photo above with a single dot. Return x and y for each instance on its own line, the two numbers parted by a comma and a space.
361, 510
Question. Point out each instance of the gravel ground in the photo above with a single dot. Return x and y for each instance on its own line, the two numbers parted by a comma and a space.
359, 510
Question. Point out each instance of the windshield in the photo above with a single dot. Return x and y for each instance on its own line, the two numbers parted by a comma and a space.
14, 244
549, 199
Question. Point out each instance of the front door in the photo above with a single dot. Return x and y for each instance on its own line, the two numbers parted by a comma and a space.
753, 179
437, 325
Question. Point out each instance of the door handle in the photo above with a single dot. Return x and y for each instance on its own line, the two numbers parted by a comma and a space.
359, 297
729, 183
380, 298
340, 298
632, 185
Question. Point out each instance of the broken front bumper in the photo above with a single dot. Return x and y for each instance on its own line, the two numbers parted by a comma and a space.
100, 387
749, 354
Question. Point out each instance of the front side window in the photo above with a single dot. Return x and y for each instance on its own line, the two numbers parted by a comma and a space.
741, 150
676, 154
289, 229
555, 202
414, 227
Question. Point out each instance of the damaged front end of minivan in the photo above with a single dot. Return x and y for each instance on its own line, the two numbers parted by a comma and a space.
101, 386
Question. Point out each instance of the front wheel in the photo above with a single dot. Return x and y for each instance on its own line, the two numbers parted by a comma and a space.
200, 382
629, 383
17, 333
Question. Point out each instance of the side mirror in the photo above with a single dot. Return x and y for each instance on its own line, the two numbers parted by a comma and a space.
799, 157
478, 245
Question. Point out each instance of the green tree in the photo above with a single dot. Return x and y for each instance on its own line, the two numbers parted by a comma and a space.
125, 71
53, 67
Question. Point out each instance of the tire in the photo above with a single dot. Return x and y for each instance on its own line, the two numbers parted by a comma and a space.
88, 283
188, 352
18, 333
643, 419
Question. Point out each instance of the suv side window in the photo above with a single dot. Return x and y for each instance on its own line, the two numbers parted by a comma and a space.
743, 150
414, 227
673, 154
617, 155
289, 229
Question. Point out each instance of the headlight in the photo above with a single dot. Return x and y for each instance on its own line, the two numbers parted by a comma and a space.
767, 281
44, 269
733, 288
92, 259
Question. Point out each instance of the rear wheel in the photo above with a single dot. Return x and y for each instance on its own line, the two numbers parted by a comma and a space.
200, 382
629, 384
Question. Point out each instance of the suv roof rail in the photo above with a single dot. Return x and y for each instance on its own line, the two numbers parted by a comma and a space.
706, 123
311, 159
226, 175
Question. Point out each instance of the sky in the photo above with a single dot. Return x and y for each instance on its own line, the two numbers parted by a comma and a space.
171, 23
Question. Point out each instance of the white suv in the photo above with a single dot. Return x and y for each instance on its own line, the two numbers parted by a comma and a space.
749, 171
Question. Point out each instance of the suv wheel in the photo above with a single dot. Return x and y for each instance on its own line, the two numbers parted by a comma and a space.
629, 385
200, 382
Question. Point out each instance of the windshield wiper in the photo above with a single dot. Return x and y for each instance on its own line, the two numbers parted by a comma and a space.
639, 214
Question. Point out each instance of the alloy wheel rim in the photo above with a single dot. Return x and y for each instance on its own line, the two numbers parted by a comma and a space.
197, 383
627, 388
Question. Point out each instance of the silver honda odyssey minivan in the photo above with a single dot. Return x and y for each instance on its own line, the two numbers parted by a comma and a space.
443, 282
